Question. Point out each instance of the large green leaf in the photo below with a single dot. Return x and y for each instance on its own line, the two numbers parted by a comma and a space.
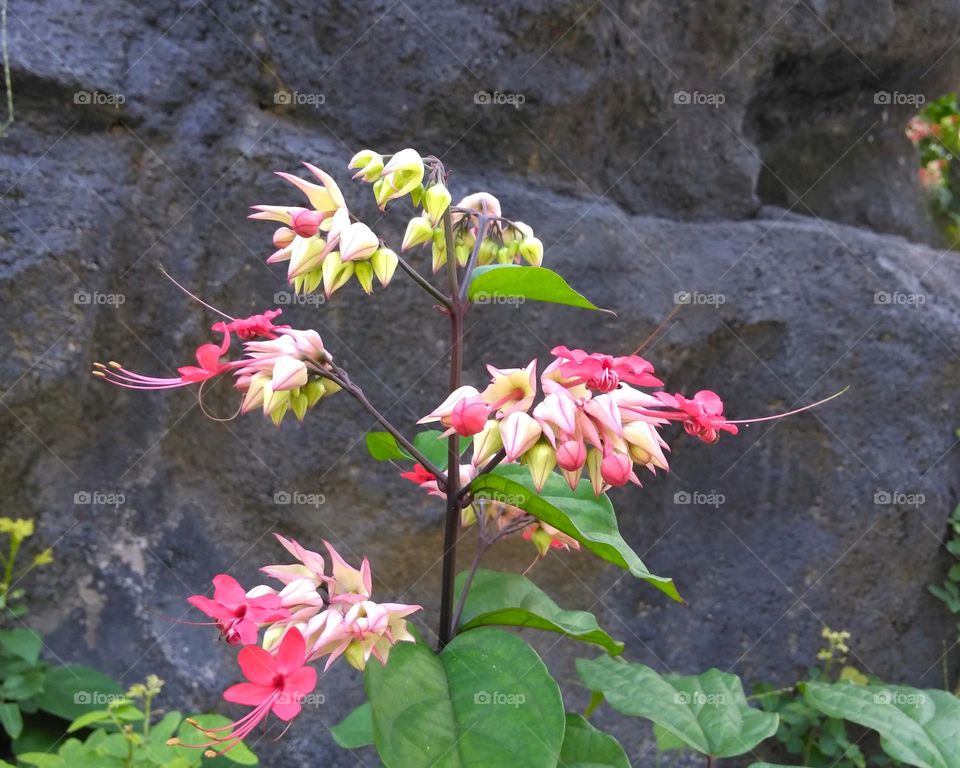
23, 643
587, 747
73, 690
485, 701
513, 600
587, 518
511, 281
919, 727
382, 446
708, 712
356, 729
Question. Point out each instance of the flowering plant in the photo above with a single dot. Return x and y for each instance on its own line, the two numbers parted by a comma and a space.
935, 132
531, 452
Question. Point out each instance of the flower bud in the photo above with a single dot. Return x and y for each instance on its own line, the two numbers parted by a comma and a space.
335, 273
419, 230
487, 443
357, 242
306, 223
519, 431
540, 460
369, 163
436, 200
314, 390
299, 404
384, 263
531, 249
541, 540
305, 256
439, 250
282, 237
615, 469
469, 416
364, 273
400, 176
571, 455
288, 373
594, 461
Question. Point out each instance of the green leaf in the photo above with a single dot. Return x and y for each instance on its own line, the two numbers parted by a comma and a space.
587, 747
434, 447
383, 446
486, 700
708, 712
513, 600
11, 720
88, 719
535, 283
773, 765
356, 729
188, 734
72, 690
24, 643
666, 741
587, 518
918, 727
23, 686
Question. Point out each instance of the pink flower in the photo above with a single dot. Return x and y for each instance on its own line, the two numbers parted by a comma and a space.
603, 373
275, 683
511, 389
256, 326
469, 416
310, 564
702, 415
236, 615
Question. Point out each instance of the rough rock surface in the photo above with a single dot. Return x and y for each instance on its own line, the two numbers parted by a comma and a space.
637, 195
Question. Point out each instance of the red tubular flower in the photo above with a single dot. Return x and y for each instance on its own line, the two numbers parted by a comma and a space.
702, 415
603, 373
276, 683
237, 616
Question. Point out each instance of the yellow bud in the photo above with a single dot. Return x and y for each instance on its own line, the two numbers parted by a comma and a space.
384, 263
531, 249
540, 460
369, 163
419, 230
354, 656
436, 200
364, 272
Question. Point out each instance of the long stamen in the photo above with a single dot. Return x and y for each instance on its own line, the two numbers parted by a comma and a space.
194, 297
790, 413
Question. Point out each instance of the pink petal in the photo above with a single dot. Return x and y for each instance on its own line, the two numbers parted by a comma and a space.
291, 653
248, 694
257, 665
227, 590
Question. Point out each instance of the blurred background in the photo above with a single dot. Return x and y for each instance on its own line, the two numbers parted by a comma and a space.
744, 159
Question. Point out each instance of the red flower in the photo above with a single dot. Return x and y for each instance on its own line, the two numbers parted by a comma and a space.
603, 373
237, 616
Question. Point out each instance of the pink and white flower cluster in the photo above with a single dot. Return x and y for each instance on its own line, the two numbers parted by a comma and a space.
313, 615
593, 416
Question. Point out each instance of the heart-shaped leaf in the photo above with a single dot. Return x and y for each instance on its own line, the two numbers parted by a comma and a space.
513, 600
356, 729
587, 518
511, 281
485, 701
918, 727
708, 712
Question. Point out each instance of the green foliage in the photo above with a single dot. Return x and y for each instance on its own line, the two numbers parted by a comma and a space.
949, 591
382, 446
707, 712
485, 700
587, 518
512, 281
936, 134
510, 599
587, 747
356, 729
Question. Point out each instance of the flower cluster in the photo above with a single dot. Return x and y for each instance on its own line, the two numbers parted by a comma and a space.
322, 244
283, 369
592, 417
314, 614
935, 132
